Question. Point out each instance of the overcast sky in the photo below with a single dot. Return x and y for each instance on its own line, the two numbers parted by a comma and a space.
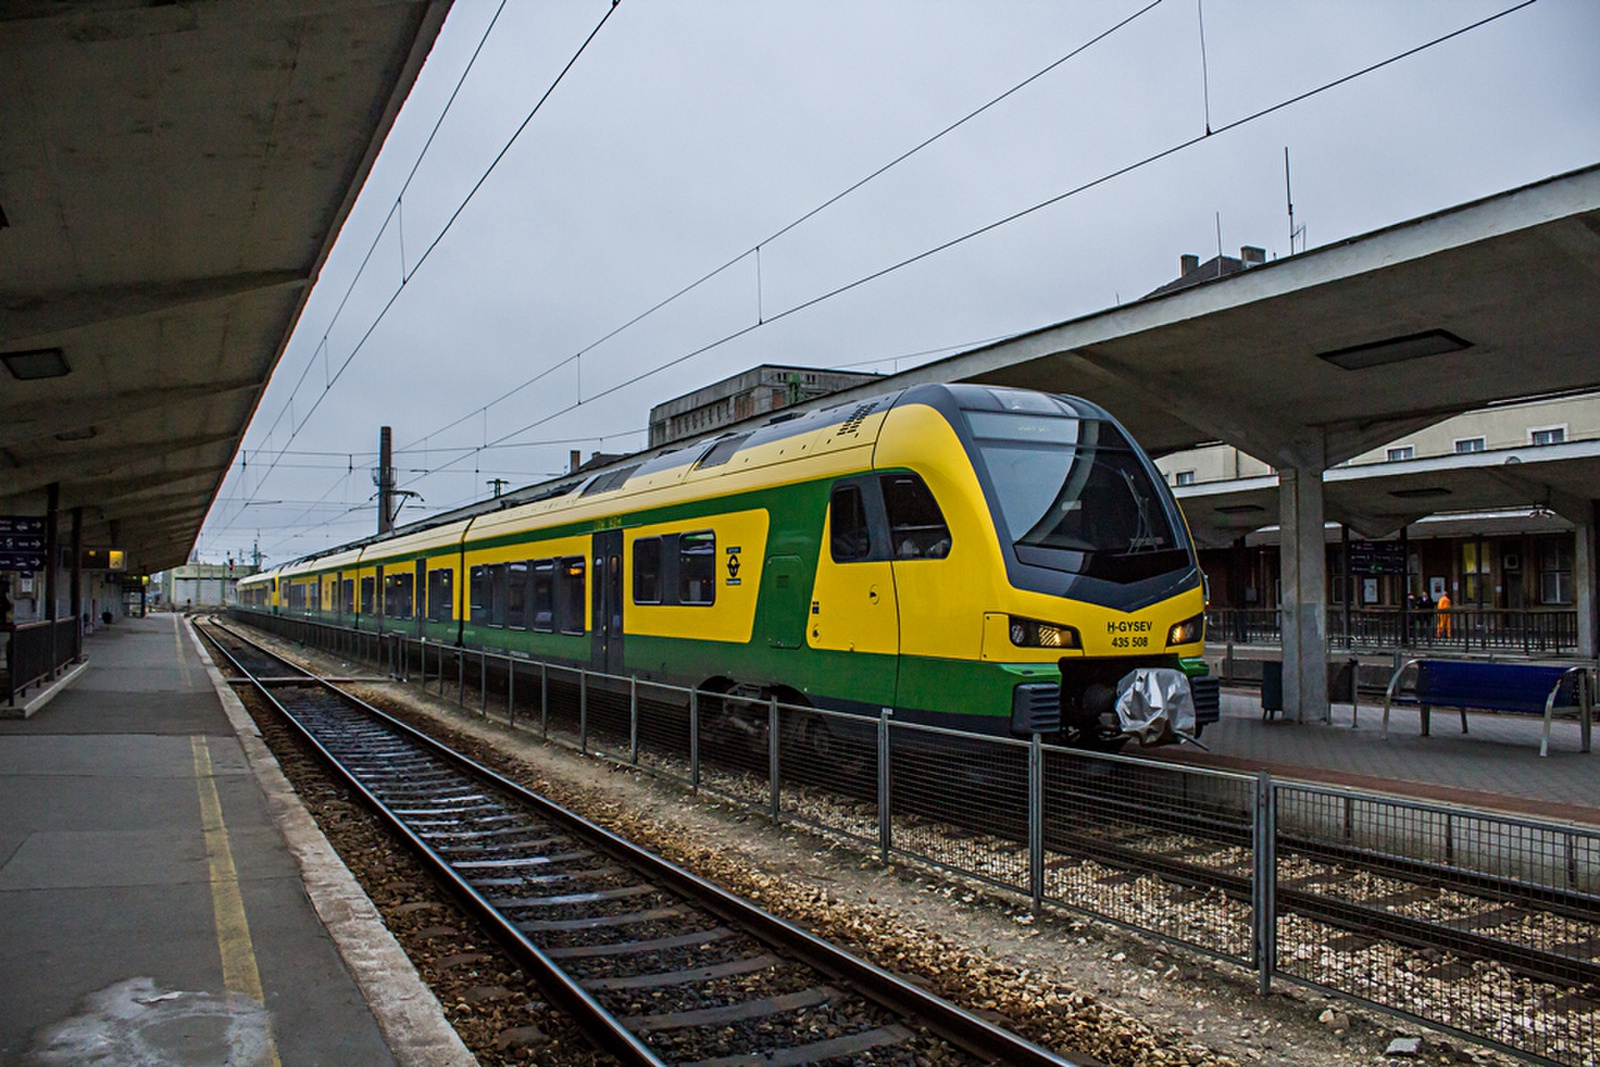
688, 133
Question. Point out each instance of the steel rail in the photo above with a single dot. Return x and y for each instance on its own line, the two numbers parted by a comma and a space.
1346, 915
961, 1027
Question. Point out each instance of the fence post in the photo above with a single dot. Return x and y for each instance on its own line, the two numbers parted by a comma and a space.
483, 682
583, 711
633, 719
772, 757
885, 835
511, 692
544, 700
1264, 882
694, 742
1036, 822
461, 677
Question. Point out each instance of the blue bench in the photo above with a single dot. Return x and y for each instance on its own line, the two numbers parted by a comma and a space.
1524, 688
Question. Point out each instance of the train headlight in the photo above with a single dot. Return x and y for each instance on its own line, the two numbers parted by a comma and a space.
1031, 633
1188, 631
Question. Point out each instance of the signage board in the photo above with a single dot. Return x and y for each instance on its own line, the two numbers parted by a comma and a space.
104, 559
21, 561
22, 524
1377, 557
21, 543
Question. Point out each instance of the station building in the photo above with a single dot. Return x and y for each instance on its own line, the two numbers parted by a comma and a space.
757, 391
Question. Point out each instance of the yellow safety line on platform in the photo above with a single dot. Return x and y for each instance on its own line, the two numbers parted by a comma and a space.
239, 974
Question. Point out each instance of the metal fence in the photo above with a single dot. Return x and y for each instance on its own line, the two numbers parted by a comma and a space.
1532, 631
1478, 923
37, 652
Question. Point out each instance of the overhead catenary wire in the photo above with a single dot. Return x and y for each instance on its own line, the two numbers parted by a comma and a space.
297, 426
505, 440
754, 250
1020, 214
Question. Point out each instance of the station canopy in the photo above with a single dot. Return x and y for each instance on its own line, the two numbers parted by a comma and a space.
173, 178
1308, 361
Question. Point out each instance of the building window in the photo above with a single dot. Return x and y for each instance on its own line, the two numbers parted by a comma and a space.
1403, 452
1469, 444
1547, 435
1183, 478
1555, 570
1475, 572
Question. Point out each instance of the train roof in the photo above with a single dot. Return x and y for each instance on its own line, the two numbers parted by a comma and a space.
785, 438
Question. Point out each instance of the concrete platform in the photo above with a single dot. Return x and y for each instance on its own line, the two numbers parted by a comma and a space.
162, 899
1495, 765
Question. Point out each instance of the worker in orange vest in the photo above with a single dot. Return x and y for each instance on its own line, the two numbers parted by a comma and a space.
1443, 629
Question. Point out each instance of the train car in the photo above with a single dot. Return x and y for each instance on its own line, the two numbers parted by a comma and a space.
974, 557
258, 592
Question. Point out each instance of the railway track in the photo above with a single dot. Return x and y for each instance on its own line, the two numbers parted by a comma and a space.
657, 965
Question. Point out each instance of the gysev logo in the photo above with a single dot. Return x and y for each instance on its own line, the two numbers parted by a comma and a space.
733, 564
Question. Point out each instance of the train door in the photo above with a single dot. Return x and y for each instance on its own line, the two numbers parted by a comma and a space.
380, 601
419, 598
854, 609
606, 617
783, 596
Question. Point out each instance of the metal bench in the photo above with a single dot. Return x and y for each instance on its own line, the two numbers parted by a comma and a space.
1523, 688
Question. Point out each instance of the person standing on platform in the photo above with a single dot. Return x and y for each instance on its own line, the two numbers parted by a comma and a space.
1443, 629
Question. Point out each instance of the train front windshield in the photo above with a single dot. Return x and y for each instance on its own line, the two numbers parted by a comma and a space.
1075, 495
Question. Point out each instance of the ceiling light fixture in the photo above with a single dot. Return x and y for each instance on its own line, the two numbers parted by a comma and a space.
1238, 509
81, 434
1396, 350
1419, 493
36, 363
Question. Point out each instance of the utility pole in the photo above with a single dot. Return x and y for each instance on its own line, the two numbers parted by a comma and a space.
385, 480
498, 484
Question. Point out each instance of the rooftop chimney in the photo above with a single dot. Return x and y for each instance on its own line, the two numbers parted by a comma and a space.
1187, 264
574, 461
1253, 256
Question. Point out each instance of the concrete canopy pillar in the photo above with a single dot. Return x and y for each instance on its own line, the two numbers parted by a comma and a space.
1586, 582
1304, 600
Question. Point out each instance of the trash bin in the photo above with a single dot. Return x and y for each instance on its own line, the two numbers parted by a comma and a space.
1271, 687
1342, 681
1341, 684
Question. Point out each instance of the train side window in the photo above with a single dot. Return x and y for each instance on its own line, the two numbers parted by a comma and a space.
917, 529
569, 595
851, 540
347, 596
517, 595
368, 594
497, 595
397, 595
479, 591
697, 568
544, 595
647, 570
441, 595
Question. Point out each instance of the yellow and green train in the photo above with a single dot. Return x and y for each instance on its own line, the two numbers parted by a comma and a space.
973, 557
